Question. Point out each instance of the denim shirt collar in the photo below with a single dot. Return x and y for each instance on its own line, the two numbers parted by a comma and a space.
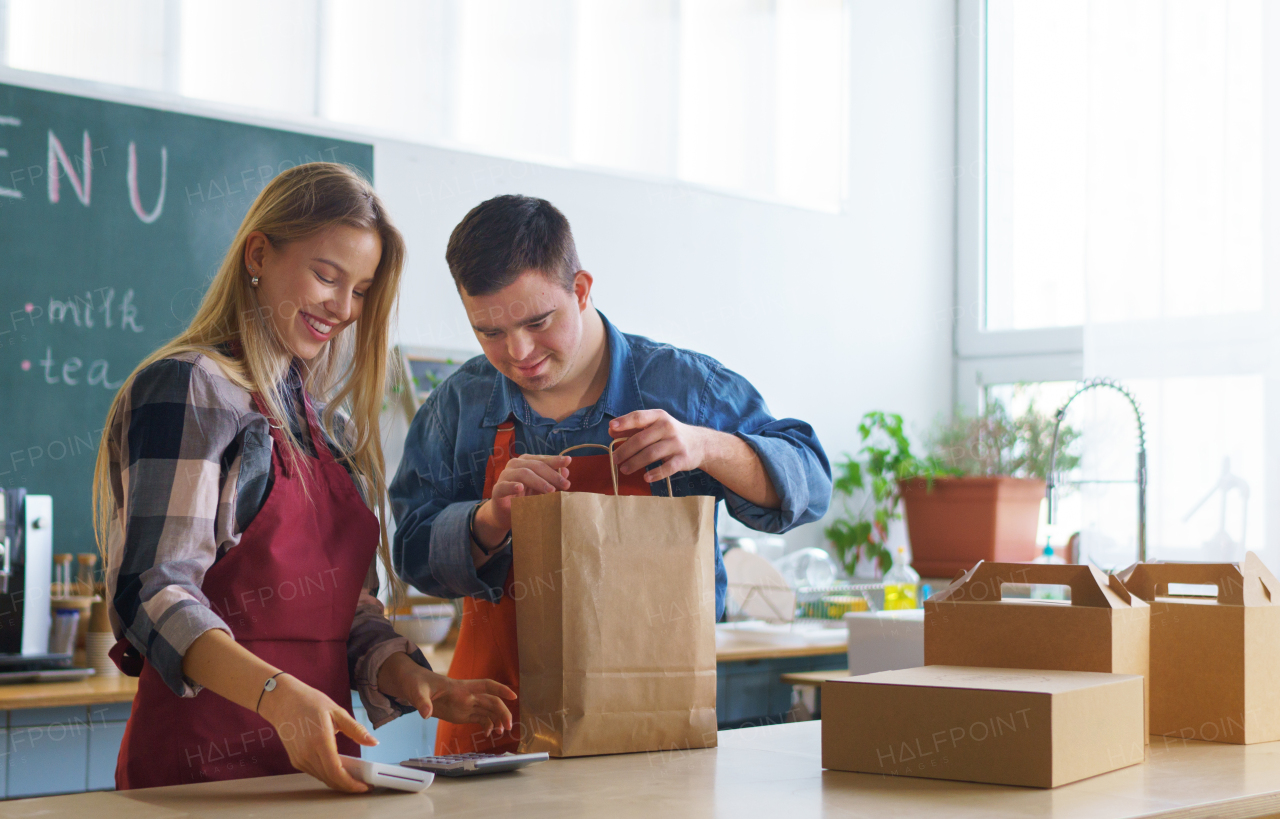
621, 393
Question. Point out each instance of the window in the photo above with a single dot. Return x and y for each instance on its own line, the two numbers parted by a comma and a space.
1124, 159
124, 44
745, 96
1112, 225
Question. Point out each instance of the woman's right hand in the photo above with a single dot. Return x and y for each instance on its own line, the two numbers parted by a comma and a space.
306, 721
525, 475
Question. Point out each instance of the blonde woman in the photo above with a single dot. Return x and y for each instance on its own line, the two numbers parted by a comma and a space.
238, 492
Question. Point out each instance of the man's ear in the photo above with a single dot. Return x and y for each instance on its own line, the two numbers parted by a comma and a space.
582, 282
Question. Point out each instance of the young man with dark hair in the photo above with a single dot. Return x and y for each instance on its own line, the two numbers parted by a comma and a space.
556, 373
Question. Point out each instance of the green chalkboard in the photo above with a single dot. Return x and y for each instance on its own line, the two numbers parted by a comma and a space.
108, 262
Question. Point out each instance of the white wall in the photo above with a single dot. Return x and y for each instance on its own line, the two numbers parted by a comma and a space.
828, 315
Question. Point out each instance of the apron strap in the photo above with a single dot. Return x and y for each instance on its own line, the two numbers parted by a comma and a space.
274, 430
504, 441
313, 430
313, 426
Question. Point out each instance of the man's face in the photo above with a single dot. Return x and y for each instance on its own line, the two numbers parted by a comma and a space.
531, 330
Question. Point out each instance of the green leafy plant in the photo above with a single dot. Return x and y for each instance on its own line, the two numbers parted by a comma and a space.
994, 443
989, 444
885, 458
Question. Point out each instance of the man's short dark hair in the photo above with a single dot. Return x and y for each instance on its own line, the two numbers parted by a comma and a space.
502, 238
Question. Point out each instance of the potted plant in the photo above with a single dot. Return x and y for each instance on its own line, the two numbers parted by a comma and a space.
975, 496
859, 532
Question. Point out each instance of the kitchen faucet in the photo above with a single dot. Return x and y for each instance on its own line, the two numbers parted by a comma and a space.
1051, 485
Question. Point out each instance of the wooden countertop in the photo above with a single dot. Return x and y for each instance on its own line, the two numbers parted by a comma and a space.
757, 652
99, 690
91, 691
814, 677
773, 770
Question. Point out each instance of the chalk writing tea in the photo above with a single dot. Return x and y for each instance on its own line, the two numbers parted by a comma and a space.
70, 373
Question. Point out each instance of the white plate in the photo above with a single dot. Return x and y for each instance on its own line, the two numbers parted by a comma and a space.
756, 589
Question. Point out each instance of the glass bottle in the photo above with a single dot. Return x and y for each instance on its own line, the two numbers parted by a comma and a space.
901, 584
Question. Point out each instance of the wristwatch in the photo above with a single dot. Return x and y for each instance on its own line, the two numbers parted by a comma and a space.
471, 527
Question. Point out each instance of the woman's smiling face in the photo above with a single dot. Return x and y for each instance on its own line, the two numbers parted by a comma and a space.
313, 288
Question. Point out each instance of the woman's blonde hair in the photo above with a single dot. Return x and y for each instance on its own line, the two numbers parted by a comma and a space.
350, 375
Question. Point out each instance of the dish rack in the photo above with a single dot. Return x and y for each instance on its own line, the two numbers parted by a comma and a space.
816, 603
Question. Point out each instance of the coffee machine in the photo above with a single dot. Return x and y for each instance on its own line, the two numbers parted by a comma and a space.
26, 572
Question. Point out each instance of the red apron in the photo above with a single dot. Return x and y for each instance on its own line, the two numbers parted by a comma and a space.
288, 591
487, 646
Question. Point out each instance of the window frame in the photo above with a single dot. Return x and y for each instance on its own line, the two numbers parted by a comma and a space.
983, 357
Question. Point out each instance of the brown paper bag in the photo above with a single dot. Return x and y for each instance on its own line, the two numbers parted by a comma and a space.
615, 614
1103, 628
1213, 659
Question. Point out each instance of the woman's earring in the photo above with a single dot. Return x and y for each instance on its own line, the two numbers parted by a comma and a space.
253, 280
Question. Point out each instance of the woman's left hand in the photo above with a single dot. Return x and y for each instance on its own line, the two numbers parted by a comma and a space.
435, 695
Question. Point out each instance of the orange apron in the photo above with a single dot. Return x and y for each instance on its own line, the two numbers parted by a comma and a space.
487, 638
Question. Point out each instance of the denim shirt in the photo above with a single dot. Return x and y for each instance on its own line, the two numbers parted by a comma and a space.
442, 473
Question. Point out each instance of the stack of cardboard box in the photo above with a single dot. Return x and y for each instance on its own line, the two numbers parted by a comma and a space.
1042, 692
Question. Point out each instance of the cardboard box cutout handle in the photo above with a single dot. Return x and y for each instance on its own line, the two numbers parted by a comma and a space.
1089, 587
1247, 584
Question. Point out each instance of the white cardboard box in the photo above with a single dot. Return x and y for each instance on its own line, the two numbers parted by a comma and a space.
885, 640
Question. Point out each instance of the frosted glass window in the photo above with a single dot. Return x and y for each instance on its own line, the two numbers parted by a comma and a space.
727, 94
120, 42
625, 84
809, 114
250, 53
1124, 160
1205, 463
746, 96
385, 64
512, 78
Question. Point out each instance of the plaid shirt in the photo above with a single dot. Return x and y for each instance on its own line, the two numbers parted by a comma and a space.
190, 468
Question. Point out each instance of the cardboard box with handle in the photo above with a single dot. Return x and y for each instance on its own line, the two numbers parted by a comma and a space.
615, 620
1214, 660
1102, 628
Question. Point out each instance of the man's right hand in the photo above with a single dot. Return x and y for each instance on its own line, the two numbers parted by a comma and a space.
524, 475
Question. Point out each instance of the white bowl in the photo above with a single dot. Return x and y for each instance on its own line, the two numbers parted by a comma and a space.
424, 630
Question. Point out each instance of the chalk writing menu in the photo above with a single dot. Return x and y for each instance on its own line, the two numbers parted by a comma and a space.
113, 220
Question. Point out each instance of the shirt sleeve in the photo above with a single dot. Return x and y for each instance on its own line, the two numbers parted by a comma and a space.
432, 502
373, 639
174, 435
789, 450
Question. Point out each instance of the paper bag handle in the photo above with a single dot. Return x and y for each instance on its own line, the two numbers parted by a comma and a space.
982, 583
613, 467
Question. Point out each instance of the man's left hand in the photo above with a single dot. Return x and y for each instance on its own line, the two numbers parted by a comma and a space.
654, 436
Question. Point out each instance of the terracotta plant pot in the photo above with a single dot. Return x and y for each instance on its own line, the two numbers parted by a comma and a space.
963, 520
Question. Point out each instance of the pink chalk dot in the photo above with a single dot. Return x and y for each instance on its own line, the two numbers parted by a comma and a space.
26, 365
29, 307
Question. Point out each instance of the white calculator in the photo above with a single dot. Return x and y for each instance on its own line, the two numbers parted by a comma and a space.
473, 764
